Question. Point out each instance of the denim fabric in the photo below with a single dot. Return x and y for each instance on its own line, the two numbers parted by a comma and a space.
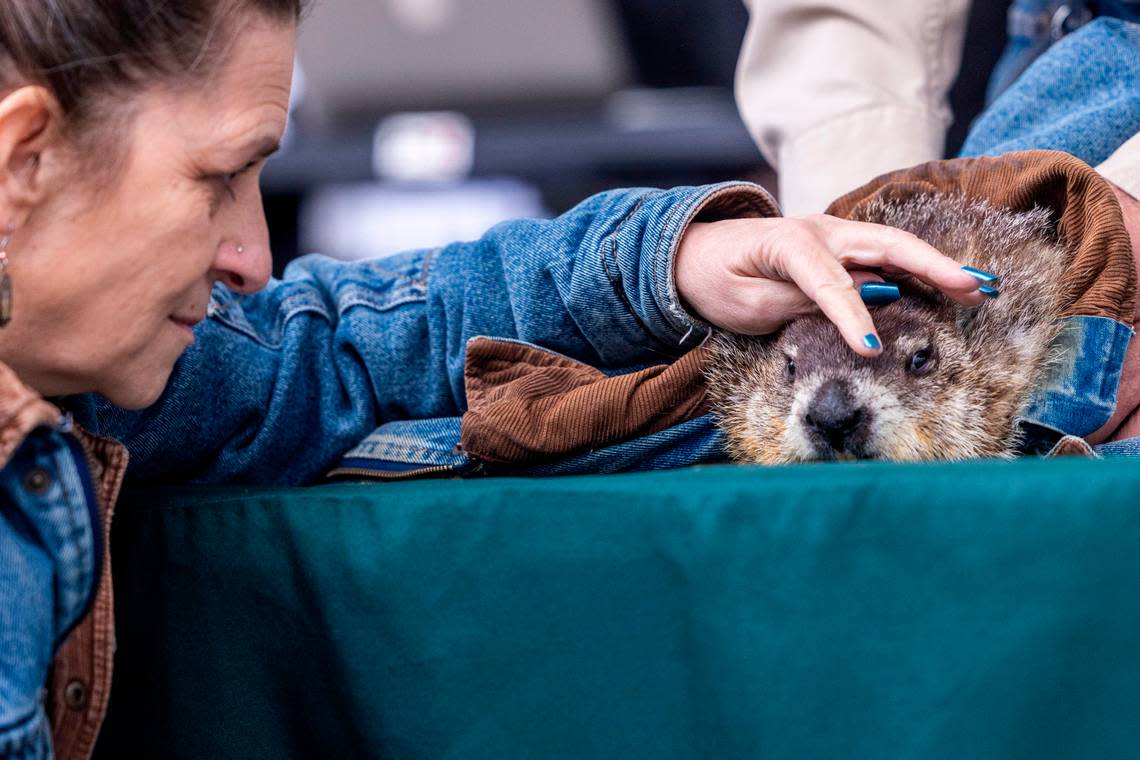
1082, 97
1079, 394
280, 384
408, 448
417, 448
49, 555
696, 441
1130, 447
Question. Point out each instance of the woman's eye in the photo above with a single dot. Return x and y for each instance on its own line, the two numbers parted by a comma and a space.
229, 179
225, 183
921, 362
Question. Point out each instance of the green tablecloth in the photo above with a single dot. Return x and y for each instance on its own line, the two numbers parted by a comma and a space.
867, 610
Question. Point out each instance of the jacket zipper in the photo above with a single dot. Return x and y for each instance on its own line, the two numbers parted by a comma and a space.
363, 472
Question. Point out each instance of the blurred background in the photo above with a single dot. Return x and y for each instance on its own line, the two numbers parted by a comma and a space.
420, 122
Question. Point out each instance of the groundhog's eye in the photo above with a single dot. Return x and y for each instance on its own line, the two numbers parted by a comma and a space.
789, 368
921, 362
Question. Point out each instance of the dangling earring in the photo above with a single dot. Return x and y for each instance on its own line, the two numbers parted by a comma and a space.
5, 280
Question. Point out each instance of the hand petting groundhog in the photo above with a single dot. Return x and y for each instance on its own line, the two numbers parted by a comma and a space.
952, 376
752, 276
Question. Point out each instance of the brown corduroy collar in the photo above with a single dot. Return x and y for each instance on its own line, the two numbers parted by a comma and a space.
527, 405
1101, 278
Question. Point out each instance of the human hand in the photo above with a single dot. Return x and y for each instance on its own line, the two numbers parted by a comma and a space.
751, 276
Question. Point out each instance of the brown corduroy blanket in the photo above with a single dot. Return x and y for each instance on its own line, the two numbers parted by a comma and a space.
527, 405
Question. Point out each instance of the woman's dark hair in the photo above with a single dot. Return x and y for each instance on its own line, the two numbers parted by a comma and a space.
88, 51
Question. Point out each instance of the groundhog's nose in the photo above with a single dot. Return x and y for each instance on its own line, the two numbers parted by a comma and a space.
834, 417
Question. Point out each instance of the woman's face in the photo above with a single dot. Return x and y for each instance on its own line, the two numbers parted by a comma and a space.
108, 280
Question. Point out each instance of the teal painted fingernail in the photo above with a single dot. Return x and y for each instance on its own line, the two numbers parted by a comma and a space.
980, 275
878, 293
988, 291
870, 340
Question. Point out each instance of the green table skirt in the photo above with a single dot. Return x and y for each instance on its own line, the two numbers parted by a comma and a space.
871, 610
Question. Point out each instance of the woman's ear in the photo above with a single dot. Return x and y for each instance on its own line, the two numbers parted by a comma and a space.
30, 121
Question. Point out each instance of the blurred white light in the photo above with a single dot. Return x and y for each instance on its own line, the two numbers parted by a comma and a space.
374, 220
422, 16
424, 147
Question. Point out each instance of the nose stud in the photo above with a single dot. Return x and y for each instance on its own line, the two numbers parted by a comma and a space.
241, 249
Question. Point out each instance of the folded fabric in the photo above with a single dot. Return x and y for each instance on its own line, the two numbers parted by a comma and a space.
1101, 278
527, 405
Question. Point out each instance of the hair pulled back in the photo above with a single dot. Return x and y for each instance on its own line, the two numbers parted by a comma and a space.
87, 52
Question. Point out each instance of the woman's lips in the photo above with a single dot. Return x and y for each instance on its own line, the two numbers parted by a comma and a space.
186, 323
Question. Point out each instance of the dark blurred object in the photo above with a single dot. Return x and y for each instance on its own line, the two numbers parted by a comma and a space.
681, 43
985, 39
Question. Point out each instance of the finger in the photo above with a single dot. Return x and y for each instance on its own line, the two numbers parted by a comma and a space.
824, 280
969, 298
863, 276
864, 244
760, 307
873, 290
764, 306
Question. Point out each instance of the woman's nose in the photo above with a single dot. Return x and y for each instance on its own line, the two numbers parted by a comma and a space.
244, 262
243, 267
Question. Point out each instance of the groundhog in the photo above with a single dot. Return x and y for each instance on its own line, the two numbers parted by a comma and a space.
951, 380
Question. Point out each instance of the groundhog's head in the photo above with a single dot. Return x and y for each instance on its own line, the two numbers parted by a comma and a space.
950, 381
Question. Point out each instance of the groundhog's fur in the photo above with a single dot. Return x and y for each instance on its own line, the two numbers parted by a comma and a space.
802, 394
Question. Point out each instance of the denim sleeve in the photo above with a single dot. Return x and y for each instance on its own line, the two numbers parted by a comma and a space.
281, 383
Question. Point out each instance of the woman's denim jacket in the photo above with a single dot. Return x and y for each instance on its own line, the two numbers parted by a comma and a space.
281, 384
